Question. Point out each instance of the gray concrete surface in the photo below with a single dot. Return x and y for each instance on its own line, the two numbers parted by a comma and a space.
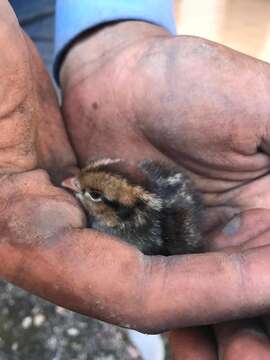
33, 329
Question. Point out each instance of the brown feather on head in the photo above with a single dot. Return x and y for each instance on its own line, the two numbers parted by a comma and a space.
99, 163
106, 195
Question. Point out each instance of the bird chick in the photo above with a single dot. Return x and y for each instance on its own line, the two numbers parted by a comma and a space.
160, 215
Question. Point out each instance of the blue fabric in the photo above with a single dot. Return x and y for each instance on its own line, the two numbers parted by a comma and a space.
75, 16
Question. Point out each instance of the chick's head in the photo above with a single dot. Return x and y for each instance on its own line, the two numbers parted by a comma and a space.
109, 198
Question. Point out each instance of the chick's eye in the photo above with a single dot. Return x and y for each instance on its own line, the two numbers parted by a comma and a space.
94, 195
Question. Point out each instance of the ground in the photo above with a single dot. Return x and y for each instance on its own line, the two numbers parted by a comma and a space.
32, 328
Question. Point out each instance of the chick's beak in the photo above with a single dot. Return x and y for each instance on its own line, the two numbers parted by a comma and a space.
72, 183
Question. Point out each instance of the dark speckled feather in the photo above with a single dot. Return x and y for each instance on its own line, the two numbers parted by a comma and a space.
181, 207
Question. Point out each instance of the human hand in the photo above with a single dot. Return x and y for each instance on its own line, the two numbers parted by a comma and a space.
43, 247
188, 101
53, 259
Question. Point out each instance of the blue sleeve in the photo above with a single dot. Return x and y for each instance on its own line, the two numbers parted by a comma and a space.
75, 16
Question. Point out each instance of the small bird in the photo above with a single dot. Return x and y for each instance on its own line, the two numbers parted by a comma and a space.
160, 215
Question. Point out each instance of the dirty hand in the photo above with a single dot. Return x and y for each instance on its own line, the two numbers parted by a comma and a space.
131, 90
44, 247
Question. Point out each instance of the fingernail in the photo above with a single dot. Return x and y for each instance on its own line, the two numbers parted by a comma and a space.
232, 227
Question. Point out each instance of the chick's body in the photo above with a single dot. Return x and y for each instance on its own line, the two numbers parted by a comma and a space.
160, 216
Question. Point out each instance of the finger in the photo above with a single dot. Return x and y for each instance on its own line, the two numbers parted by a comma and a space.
105, 278
243, 339
192, 344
